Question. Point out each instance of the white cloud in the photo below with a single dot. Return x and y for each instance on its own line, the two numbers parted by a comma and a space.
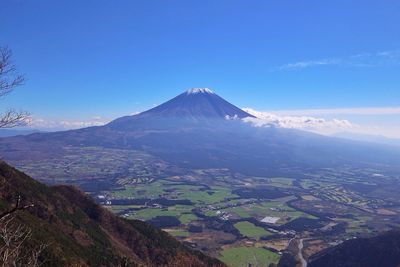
342, 111
307, 123
370, 121
311, 63
378, 59
49, 124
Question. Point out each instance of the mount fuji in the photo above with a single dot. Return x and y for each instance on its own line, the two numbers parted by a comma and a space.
197, 103
199, 129
197, 106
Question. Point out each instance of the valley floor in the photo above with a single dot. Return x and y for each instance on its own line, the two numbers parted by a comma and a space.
238, 218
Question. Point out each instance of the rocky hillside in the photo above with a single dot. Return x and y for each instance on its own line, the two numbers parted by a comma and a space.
78, 232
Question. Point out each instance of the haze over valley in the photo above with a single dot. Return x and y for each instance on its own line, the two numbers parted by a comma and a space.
198, 168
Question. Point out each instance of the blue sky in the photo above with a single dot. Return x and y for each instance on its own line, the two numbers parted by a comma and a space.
85, 59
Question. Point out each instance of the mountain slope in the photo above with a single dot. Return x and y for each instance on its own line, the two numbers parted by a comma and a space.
192, 131
195, 104
15, 132
382, 250
378, 139
79, 232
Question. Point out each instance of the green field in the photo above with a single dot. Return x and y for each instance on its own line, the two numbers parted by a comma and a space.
250, 230
243, 256
147, 214
268, 208
195, 194
156, 189
182, 212
152, 190
187, 218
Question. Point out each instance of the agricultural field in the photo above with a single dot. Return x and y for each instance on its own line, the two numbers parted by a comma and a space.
249, 230
273, 209
255, 214
228, 214
243, 256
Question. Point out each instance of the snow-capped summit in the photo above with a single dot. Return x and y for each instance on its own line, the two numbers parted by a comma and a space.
199, 91
197, 103
194, 105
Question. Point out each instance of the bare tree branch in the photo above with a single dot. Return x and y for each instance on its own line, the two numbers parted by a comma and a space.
9, 80
12, 118
16, 208
14, 250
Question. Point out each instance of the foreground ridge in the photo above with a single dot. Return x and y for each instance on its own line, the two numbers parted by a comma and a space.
75, 231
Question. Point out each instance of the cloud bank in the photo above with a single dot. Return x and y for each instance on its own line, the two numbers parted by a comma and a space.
342, 111
307, 123
48, 124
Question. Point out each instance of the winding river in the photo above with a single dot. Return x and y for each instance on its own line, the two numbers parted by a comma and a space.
300, 257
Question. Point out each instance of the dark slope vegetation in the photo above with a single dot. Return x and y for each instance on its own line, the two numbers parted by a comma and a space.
78, 232
382, 250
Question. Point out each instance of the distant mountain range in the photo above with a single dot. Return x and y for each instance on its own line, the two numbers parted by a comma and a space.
78, 232
379, 139
15, 132
199, 129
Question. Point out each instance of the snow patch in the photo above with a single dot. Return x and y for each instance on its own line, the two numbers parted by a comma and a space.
199, 91
234, 117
